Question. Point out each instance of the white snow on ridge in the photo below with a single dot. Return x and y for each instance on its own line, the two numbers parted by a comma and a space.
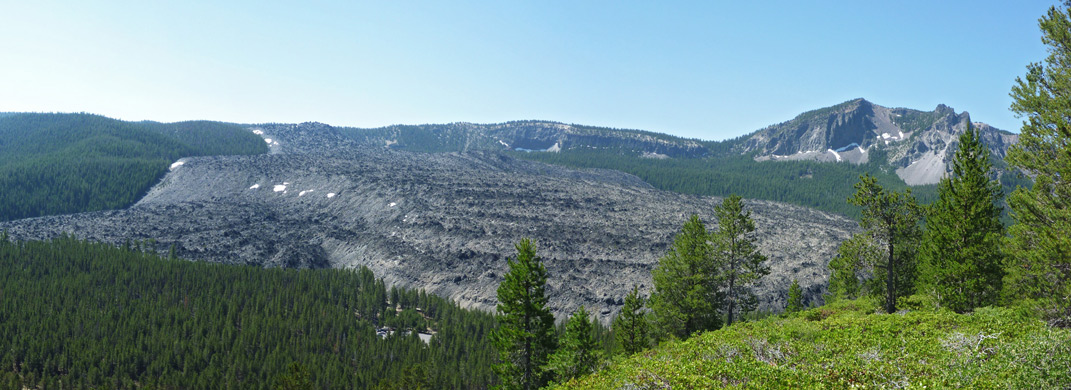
392, 204
302, 193
885, 136
503, 143
330, 194
279, 188
255, 186
176, 164
835, 154
258, 132
555, 148
268, 140
861, 150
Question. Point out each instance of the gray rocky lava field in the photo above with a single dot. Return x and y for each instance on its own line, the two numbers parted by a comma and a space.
441, 222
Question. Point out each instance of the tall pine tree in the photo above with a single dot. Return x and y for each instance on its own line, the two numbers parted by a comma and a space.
852, 269
891, 219
960, 256
1039, 251
687, 296
525, 336
795, 297
578, 352
740, 259
630, 326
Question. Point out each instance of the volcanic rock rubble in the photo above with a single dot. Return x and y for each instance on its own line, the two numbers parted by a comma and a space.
441, 222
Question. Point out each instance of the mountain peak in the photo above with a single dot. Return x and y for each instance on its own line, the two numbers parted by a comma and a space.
917, 143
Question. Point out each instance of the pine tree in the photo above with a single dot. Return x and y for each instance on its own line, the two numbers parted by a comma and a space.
795, 297
891, 219
686, 298
578, 352
855, 260
1039, 251
736, 253
630, 326
960, 256
525, 336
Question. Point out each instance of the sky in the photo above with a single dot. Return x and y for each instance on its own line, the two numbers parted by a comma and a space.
701, 69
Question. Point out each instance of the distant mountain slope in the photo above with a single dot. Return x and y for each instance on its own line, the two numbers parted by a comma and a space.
67, 163
919, 144
442, 222
526, 135
794, 162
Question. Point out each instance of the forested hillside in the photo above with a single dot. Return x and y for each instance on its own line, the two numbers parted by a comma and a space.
823, 186
67, 163
75, 314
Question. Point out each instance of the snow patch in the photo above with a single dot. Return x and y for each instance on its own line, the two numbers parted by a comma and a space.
330, 194
556, 148
885, 136
503, 143
302, 193
279, 188
177, 164
861, 150
258, 132
255, 186
901, 134
268, 140
835, 154
392, 204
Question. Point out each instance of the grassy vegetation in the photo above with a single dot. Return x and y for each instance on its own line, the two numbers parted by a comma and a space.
845, 345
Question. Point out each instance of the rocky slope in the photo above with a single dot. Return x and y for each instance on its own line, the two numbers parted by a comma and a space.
442, 222
918, 144
525, 136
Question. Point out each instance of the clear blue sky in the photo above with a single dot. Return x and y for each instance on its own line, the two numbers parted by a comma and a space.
702, 69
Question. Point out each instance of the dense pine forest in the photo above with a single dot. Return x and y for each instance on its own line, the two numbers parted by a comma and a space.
75, 314
68, 163
806, 183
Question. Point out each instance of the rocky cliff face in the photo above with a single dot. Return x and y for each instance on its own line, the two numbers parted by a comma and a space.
441, 222
918, 144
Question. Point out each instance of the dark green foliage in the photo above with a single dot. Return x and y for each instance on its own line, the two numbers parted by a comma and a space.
1039, 251
525, 336
795, 297
806, 183
852, 269
297, 377
735, 252
687, 297
66, 163
891, 219
96, 316
960, 257
578, 352
630, 327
